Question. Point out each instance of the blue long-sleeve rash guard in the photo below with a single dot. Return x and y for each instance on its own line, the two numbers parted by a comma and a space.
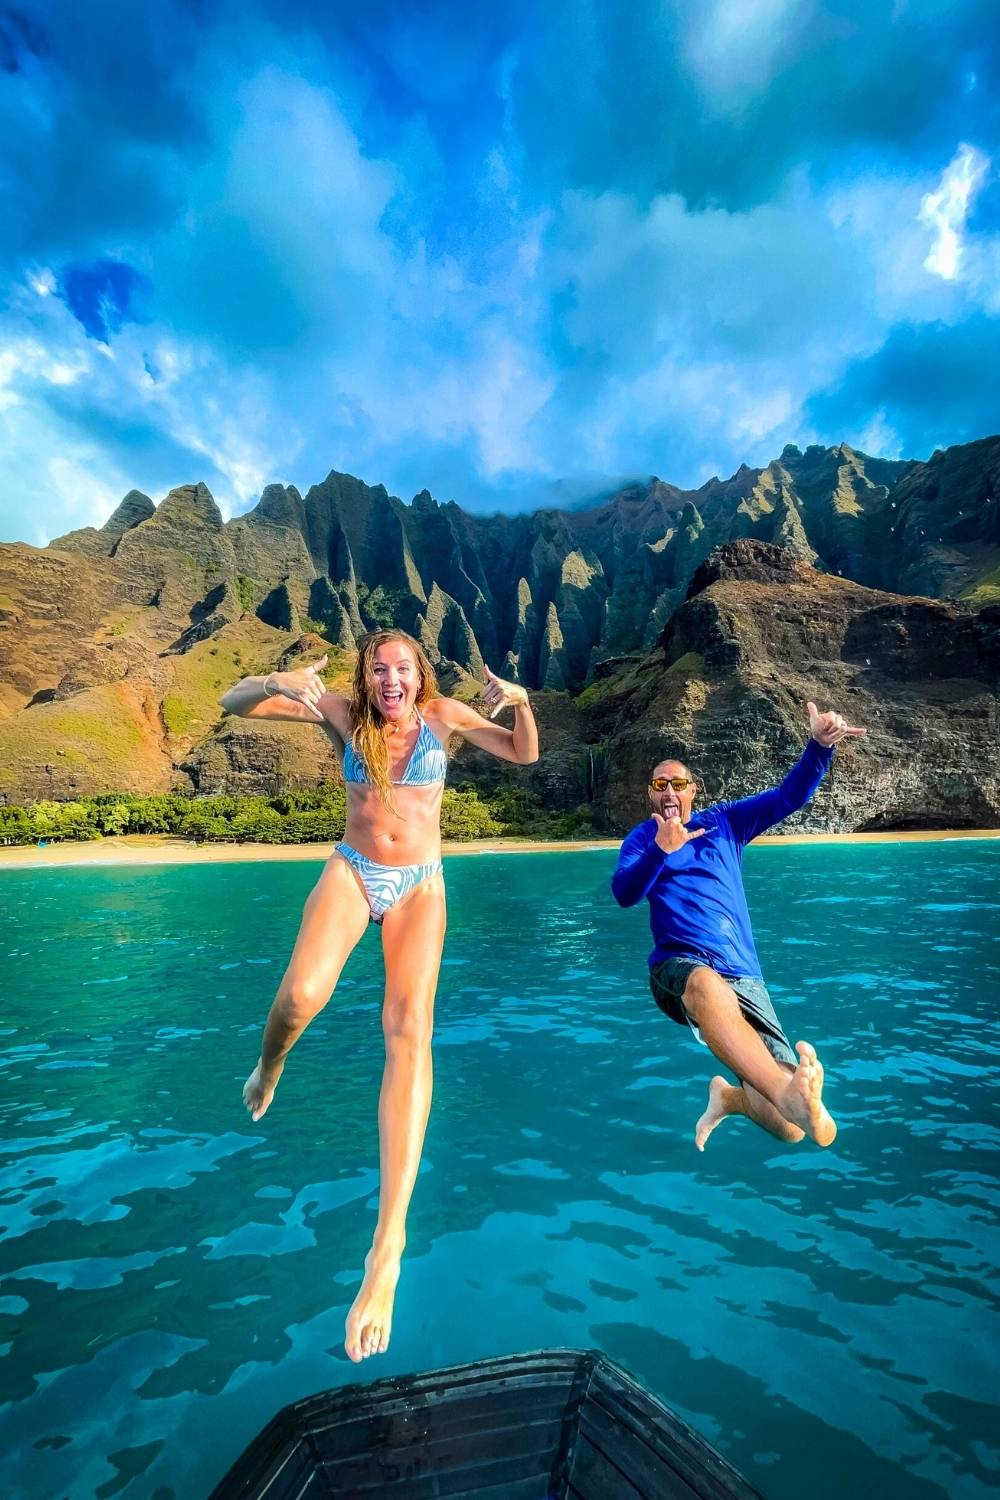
697, 904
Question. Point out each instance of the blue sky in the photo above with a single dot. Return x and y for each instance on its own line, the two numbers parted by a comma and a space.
512, 253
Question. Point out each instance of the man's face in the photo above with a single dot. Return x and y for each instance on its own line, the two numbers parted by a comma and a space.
668, 800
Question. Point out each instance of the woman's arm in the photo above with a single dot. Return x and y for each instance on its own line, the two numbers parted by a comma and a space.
282, 695
519, 744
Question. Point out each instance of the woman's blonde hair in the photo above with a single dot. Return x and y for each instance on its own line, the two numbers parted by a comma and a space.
366, 721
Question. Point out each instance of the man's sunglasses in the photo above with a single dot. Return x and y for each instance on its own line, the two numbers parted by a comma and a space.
679, 783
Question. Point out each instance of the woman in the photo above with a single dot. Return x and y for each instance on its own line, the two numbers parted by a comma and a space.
390, 736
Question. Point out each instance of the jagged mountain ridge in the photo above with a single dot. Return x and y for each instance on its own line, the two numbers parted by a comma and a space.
116, 643
546, 596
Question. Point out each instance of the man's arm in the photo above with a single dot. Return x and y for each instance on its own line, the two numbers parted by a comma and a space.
640, 860
752, 815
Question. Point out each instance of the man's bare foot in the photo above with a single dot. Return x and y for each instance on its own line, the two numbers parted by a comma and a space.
369, 1322
258, 1091
802, 1102
720, 1104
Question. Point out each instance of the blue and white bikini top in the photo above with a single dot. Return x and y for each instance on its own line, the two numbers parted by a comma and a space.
427, 764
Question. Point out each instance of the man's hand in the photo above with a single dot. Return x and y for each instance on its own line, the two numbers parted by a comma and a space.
672, 835
829, 728
499, 693
304, 685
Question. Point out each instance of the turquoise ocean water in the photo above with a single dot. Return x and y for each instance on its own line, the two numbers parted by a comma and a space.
170, 1275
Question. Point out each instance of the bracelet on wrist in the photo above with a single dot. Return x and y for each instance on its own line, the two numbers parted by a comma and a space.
269, 692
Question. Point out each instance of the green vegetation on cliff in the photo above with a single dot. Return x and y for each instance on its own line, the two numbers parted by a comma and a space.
203, 673
611, 686
381, 606
985, 590
249, 592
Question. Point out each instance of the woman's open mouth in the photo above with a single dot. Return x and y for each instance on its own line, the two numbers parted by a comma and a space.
392, 697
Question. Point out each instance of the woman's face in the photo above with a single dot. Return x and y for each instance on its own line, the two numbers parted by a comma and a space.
395, 681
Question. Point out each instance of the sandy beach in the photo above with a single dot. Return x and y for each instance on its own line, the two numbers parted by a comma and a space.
153, 849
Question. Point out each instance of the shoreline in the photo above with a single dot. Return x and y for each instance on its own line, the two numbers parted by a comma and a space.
162, 849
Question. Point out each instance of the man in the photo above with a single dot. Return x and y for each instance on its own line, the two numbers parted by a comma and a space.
703, 970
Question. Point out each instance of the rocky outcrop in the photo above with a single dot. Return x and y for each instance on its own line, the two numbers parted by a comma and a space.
725, 689
260, 759
131, 511
562, 778
51, 602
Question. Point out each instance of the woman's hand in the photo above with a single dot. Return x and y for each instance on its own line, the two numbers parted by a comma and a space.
304, 685
499, 693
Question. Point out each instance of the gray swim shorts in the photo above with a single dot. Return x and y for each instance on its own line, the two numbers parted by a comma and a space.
667, 981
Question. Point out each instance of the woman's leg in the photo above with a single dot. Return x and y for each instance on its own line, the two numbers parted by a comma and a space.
336, 914
412, 939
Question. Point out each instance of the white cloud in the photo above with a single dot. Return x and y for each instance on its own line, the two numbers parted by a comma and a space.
735, 47
73, 481
232, 420
760, 417
63, 481
27, 360
876, 436
74, 460
511, 389
314, 305
946, 210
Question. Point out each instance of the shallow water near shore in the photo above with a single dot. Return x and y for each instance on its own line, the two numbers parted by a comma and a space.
171, 1275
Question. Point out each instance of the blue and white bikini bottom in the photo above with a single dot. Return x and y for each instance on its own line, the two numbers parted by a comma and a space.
386, 885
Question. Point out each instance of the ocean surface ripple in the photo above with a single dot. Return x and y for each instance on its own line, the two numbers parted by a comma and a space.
170, 1275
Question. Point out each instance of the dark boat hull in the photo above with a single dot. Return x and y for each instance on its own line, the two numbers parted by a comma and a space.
528, 1427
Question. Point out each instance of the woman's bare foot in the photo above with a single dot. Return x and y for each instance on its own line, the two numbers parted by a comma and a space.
369, 1322
720, 1104
258, 1091
802, 1102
